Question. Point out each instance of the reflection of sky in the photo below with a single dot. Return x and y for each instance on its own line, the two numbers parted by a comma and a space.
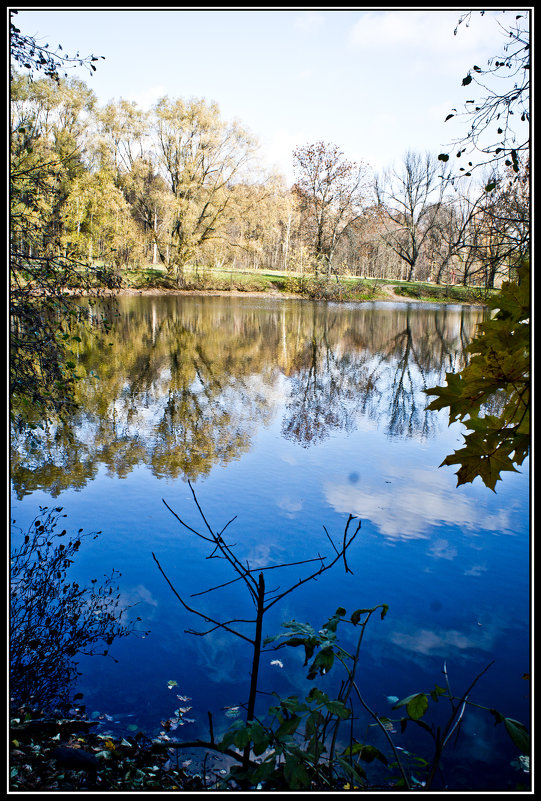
441, 641
416, 501
445, 559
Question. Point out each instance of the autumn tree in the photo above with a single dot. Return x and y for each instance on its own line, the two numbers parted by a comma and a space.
201, 157
46, 154
332, 192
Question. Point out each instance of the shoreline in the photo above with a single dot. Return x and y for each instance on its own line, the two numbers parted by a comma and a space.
389, 295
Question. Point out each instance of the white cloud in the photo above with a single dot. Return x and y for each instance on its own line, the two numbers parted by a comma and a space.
475, 570
416, 503
290, 506
428, 642
440, 549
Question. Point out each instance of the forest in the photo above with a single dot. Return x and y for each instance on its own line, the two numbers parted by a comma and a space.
179, 187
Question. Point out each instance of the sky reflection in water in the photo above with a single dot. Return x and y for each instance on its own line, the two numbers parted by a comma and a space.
290, 415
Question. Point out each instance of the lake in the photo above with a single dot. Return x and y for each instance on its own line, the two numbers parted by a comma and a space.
288, 415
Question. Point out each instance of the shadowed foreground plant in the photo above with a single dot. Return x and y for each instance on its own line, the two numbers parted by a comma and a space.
54, 619
262, 598
313, 743
300, 747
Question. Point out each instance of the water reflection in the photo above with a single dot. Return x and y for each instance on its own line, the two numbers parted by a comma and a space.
184, 384
413, 502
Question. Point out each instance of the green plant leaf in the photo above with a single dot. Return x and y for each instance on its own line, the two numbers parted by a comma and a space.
366, 752
416, 705
295, 774
338, 708
288, 727
519, 734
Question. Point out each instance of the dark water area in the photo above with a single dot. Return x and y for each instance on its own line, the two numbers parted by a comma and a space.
288, 416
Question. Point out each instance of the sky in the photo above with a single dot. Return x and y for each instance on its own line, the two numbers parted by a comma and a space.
375, 82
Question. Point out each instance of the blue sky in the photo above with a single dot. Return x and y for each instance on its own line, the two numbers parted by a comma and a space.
374, 82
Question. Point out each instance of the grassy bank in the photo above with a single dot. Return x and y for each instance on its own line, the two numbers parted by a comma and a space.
345, 289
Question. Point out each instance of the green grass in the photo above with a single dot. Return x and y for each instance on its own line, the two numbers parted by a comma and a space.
348, 288
443, 292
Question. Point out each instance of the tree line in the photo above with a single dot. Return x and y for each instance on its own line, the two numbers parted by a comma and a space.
179, 186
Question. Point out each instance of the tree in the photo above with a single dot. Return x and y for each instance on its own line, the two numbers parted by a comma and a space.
53, 619
333, 192
27, 53
499, 120
500, 350
410, 200
499, 366
46, 156
201, 157
97, 221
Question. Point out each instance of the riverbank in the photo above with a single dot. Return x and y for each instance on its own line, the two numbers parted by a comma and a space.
386, 294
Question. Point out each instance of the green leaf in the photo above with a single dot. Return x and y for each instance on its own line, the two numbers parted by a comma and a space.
295, 774
366, 752
338, 708
259, 737
288, 727
416, 705
322, 663
264, 770
230, 735
443, 157
519, 734
317, 695
467, 80
436, 692
355, 771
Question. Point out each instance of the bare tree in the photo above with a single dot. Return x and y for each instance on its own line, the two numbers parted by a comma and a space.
410, 201
499, 131
262, 597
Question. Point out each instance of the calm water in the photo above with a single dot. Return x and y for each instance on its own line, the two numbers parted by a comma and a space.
290, 415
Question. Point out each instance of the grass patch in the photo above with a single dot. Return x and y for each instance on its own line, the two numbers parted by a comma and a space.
442, 292
348, 288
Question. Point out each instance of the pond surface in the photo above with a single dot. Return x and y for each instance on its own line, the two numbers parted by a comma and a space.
288, 416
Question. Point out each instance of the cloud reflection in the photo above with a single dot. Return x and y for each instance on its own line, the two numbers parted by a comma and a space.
412, 504
442, 642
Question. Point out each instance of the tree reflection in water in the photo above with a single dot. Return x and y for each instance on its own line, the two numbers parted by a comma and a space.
53, 619
183, 384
